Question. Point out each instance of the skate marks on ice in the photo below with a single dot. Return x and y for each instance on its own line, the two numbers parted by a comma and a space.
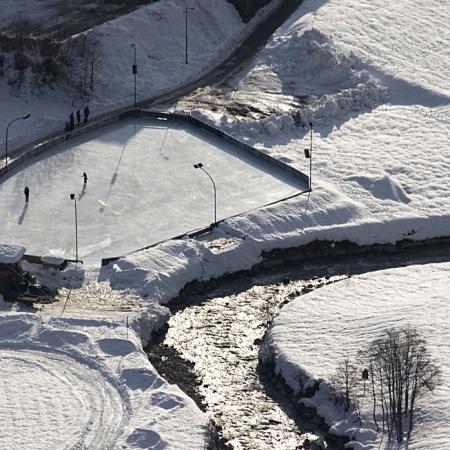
104, 205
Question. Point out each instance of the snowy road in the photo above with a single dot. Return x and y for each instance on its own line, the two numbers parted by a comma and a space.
142, 189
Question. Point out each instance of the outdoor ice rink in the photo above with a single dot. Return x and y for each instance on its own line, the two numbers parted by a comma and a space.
142, 189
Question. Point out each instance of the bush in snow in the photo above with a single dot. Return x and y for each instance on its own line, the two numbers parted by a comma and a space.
71, 62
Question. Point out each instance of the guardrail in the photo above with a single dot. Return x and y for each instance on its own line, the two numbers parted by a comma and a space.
170, 117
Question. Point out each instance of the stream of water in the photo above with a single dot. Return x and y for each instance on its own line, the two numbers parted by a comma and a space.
221, 337
211, 345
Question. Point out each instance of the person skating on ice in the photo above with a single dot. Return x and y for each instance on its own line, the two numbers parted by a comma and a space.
26, 191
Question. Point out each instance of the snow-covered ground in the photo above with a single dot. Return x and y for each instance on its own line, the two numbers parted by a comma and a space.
317, 330
377, 93
86, 383
158, 30
375, 85
373, 78
142, 189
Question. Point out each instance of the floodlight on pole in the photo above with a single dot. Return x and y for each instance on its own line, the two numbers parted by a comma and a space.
308, 155
200, 166
6, 140
72, 197
134, 71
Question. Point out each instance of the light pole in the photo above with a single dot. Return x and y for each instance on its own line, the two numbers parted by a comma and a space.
308, 155
6, 142
200, 166
134, 70
72, 197
186, 30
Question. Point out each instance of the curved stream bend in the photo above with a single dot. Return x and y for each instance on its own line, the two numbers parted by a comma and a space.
217, 328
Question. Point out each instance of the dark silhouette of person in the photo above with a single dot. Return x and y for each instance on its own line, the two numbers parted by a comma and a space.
85, 177
67, 130
86, 113
78, 117
71, 122
26, 191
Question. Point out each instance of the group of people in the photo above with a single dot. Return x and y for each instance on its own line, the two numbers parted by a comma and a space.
70, 125
26, 191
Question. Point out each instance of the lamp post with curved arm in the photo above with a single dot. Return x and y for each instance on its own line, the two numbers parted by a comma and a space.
134, 70
6, 141
186, 31
308, 155
200, 166
72, 197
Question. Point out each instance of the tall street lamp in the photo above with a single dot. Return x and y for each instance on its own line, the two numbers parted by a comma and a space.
72, 197
7, 129
308, 155
186, 30
134, 70
200, 166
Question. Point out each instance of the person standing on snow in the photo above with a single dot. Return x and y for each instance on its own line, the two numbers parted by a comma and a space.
86, 113
85, 177
71, 122
78, 117
26, 191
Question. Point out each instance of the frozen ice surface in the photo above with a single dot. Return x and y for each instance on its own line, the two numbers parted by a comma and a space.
142, 188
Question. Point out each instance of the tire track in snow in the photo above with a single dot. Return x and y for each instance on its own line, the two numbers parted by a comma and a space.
85, 408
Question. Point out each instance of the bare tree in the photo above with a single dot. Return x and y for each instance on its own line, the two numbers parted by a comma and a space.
401, 371
345, 383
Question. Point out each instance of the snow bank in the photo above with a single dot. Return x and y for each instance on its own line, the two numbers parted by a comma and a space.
316, 330
308, 64
159, 273
10, 254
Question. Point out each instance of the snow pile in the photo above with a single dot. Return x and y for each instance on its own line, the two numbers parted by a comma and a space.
10, 254
315, 331
160, 272
407, 40
83, 383
384, 187
299, 220
308, 64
